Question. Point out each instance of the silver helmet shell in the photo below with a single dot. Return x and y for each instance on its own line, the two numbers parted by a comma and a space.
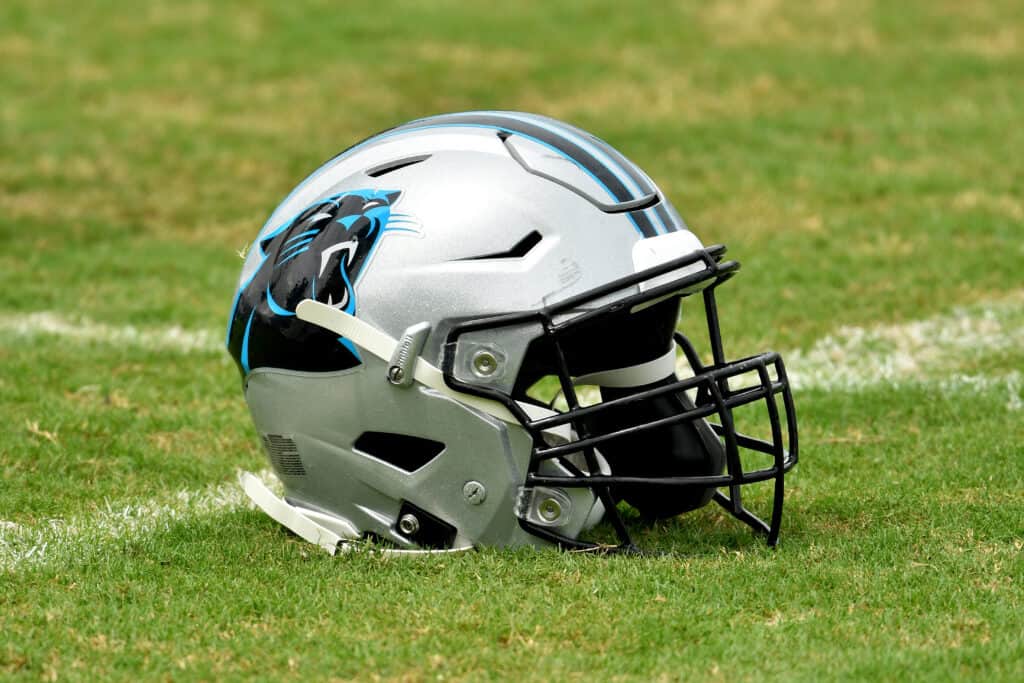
415, 233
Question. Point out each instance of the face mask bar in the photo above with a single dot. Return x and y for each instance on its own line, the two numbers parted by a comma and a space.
711, 384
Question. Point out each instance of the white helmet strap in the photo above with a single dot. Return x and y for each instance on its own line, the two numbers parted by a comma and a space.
301, 523
382, 345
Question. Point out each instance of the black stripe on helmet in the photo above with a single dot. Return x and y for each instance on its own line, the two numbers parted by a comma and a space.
514, 124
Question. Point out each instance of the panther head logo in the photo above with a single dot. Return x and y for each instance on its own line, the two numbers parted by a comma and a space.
319, 254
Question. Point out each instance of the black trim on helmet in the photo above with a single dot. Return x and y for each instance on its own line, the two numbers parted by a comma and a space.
520, 124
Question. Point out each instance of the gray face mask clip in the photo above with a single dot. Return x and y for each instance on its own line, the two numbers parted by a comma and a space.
544, 506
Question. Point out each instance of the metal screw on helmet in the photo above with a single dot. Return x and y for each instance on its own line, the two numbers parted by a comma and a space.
549, 509
474, 492
408, 524
484, 363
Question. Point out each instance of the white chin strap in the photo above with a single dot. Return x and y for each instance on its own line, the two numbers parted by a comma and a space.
382, 345
290, 517
301, 523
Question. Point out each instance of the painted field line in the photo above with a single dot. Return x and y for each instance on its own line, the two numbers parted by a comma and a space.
921, 352
173, 338
930, 352
55, 539
850, 358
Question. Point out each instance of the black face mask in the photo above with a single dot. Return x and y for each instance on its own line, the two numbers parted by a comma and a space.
648, 431
684, 449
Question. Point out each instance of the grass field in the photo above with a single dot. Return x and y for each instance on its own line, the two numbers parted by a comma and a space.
863, 160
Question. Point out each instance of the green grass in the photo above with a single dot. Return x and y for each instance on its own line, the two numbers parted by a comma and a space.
862, 160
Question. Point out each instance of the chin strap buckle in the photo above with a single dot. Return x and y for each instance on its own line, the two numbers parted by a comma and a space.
402, 366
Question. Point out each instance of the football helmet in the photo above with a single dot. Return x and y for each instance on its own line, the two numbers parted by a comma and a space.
464, 331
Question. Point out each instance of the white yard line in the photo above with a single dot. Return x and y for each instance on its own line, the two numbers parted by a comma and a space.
173, 338
928, 350
925, 352
66, 538
848, 359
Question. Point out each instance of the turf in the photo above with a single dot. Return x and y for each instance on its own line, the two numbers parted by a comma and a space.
862, 160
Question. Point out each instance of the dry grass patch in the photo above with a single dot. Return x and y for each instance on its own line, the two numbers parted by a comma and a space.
753, 216
827, 25
1001, 43
473, 56
160, 201
17, 46
152, 106
999, 204
666, 94
330, 102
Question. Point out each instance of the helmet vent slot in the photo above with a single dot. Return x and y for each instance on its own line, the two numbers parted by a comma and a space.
284, 455
407, 453
391, 166
518, 250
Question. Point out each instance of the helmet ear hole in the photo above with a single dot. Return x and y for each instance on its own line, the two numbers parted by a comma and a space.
404, 451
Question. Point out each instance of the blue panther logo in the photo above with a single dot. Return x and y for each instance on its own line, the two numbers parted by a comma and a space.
320, 254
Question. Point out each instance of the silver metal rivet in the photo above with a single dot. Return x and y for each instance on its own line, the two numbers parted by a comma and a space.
474, 492
408, 524
549, 509
484, 363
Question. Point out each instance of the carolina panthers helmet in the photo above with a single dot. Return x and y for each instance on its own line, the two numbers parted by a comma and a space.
462, 332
